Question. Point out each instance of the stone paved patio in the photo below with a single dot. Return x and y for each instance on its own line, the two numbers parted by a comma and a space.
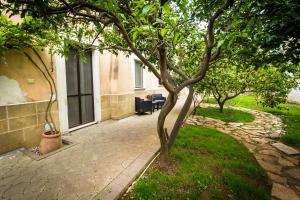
108, 155
281, 162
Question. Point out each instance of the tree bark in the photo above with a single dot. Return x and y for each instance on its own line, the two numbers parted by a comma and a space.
163, 135
181, 116
221, 105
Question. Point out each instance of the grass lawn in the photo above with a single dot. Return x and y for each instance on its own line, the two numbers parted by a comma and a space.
289, 113
228, 115
206, 164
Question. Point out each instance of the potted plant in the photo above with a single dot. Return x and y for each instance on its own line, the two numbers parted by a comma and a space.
29, 37
51, 138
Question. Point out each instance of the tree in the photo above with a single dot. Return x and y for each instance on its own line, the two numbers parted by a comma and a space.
274, 85
281, 28
169, 37
227, 80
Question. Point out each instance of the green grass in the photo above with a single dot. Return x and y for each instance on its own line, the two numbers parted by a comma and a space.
207, 164
240, 101
289, 113
228, 115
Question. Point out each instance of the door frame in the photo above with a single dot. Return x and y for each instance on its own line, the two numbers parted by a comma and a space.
60, 63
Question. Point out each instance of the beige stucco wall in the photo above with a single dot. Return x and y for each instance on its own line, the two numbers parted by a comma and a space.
118, 106
20, 81
294, 96
117, 75
19, 78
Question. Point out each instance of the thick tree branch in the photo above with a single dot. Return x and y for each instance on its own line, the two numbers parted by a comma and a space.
210, 44
216, 55
112, 19
181, 116
177, 70
167, 81
135, 50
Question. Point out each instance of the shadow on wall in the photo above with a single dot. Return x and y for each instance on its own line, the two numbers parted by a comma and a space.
10, 91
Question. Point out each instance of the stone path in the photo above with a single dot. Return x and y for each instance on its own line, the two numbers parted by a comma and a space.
281, 162
107, 158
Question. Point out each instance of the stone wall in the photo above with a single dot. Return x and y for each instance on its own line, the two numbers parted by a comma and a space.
118, 106
22, 124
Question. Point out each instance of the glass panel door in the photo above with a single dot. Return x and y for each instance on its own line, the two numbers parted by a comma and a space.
80, 89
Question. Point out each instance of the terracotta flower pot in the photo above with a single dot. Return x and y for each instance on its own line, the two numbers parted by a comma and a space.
50, 142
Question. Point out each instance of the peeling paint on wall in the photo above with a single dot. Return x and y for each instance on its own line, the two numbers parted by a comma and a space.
10, 92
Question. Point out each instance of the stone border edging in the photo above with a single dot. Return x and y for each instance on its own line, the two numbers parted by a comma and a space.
283, 169
118, 186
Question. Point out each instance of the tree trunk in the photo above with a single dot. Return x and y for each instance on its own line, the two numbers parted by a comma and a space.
162, 133
195, 104
181, 116
221, 105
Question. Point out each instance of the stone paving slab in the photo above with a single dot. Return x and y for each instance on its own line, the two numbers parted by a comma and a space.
280, 162
108, 155
119, 185
284, 193
285, 149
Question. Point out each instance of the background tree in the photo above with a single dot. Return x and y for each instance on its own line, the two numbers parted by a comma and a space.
227, 80
281, 28
274, 85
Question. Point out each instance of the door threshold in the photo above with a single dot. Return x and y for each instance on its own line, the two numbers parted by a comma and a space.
82, 126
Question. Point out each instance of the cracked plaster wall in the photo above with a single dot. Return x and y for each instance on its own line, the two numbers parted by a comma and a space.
20, 81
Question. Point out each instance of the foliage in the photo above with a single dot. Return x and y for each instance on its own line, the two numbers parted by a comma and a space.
289, 113
28, 33
229, 114
207, 164
273, 86
169, 37
30, 36
281, 28
157, 32
228, 79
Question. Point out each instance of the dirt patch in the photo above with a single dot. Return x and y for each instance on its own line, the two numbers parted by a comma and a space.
205, 196
169, 167
34, 153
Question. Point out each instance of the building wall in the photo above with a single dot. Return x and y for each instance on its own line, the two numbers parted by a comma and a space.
20, 81
25, 93
117, 106
294, 97
21, 125
116, 74
118, 85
